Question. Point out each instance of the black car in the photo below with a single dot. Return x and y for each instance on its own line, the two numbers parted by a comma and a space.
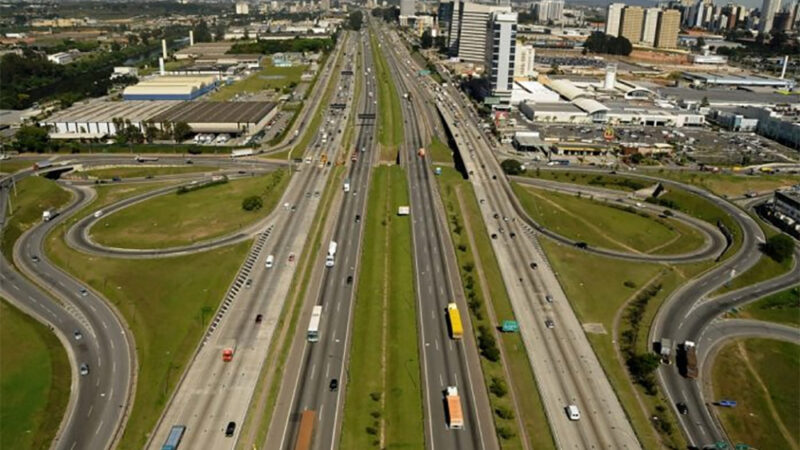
334, 384
358, 218
34, 258
581, 245
682, 408
230, 429
534, 265
259, 318
349, 279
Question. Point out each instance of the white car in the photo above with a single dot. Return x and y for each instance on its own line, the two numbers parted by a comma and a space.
573, 413
98, 213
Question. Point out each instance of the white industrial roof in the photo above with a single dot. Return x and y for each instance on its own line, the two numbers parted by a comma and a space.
567, 89
589, 105
104, 111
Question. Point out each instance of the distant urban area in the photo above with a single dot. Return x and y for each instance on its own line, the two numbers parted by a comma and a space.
335, 224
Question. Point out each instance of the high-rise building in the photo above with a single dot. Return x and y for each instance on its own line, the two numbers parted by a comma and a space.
407, 8
547, 10
669, 24
768, 10
325, 5
473, 29
500, 52
614, 18
454, 27
523, 61
650, 25
242, 8
631, 25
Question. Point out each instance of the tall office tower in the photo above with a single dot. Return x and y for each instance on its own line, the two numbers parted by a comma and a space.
325, 5
472, 30
650, 25
242, 8
792, 10
631, 25
548, 10
407, 8
454, 29
614, 18
669, 24
500, 45
733, 16
795, 14
444, 15
523, 61
768, 10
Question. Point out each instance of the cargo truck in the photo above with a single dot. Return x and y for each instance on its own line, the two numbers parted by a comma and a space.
421, 152
455, 419
347, 185
42, 165
228, 350
49, 214
456, 329
241, 153
665, 350
329, 259
690, 360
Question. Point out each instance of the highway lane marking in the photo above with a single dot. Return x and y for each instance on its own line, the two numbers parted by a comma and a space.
73, 445
104, 325
313, 369
98, 428
15, 286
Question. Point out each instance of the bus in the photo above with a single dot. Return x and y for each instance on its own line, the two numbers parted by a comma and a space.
313, 325
174, 438
305, 433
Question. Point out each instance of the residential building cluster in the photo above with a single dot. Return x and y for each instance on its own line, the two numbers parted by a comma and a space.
653, 27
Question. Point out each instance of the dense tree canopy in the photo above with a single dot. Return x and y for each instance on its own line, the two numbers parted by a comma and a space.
779, 247
600, 42
354, 20
289, 45
32, 139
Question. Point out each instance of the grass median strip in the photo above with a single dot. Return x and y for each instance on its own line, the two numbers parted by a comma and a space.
478, 262
383, 403
173, 220
390, 115
34, 381
167, 303
761, 376
143, 171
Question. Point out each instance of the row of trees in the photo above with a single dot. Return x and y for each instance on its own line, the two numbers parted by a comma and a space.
355, 20
291, 45
599, 42
128, 133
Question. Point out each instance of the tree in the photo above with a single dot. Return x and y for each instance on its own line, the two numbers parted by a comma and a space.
512, 167
354, 20
426, 41
704, 102
180, 131
32, 139
201, 32
252, 203
643, 365
779, 247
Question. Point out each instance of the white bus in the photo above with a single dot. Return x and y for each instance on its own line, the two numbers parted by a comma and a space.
313, 325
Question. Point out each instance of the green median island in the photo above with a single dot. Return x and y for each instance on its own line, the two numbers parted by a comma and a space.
192, 214
183, 292
34, 381
760, 375
383, 402
143, 171
269, 78
608, 224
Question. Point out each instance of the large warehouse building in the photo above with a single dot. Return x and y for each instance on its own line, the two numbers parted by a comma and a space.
97, 119
171, 88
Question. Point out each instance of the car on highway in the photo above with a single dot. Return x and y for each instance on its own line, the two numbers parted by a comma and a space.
84, 292
534, 265
496, 216
291, 257
573, 412
98, 213
259, 318
34, 258
349, 279
549, 323
494, 235
334, 384
84, 369
78, 335
230, 429
549, 298
581, 244
682, 408
358, 218
249, 282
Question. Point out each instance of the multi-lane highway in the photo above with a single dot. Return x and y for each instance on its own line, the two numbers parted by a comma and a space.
445, 362
307, 383
212, 392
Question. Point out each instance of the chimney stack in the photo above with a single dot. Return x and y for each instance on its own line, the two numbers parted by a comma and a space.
611, 77
191, 37
164, 48
785, 63
161, 66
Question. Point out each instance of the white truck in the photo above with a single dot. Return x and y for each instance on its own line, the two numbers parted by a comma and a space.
49, 214
241, 153
329, 259
347, 185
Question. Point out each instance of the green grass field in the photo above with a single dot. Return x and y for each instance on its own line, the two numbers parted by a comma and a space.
761, 375
143, 171
33, 196
384, 400
765, 269
13, 165
390, 115
173, 220
465, 216
269, 77
439, 151
182, 291
606, 225
729, 184
781, 307
34, 381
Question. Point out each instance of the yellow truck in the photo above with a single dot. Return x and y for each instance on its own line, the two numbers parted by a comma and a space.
456, 329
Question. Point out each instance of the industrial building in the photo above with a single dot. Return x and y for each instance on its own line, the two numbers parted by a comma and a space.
703, 79
216, 53
98, 119
171, 88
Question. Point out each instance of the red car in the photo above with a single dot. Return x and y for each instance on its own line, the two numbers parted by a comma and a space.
291, 257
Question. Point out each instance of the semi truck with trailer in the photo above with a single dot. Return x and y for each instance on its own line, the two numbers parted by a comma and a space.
49, 214
689, 360
455, 417
139, 158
